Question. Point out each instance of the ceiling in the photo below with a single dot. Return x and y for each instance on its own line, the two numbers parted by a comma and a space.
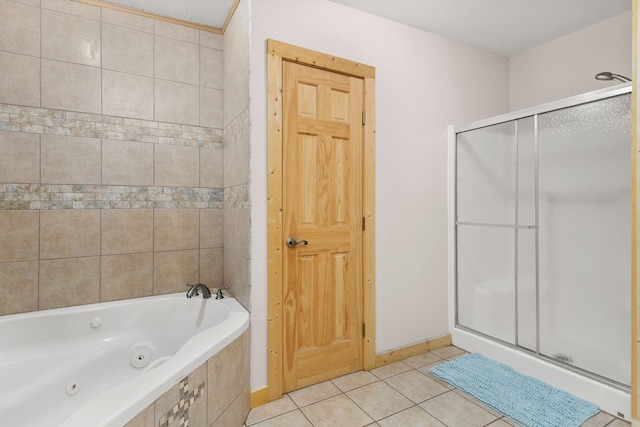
505, 27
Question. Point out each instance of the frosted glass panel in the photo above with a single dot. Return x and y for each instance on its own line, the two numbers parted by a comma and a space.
527, 326
486, 290
526, 171
486, 174
584, 243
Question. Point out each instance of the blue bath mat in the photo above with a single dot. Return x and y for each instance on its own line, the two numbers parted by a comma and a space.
529, 401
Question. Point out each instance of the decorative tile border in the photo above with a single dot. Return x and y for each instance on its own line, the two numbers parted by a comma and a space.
45, 196
181, 410
69, 123
237, 197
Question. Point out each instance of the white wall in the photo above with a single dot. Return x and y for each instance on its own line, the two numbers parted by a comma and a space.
424, 82
566, 66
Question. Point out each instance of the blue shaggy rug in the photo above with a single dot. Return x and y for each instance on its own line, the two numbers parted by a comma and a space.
522, 398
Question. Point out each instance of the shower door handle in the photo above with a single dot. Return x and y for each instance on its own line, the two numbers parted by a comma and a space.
292, 242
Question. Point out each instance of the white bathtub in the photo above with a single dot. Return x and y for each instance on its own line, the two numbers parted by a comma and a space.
74, 367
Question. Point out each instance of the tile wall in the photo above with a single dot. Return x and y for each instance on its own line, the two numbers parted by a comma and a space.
112, 182
237, 198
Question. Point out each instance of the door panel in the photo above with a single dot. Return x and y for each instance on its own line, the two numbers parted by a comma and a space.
322, 166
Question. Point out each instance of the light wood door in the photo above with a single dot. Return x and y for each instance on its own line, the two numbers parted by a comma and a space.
322, 174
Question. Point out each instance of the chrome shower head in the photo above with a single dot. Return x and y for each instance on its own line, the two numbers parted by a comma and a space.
606, 75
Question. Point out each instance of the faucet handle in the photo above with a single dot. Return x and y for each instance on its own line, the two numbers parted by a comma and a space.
219, 294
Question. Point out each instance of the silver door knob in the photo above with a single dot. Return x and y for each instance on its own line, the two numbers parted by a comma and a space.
292, 242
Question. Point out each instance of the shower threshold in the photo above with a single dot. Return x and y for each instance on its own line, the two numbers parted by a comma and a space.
610, 397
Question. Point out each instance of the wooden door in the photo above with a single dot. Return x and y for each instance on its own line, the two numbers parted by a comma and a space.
322, 202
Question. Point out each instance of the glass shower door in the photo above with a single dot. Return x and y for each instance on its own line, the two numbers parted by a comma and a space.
584, 207
486, 214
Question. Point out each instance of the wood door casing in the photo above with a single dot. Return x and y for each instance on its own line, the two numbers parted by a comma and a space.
322, 202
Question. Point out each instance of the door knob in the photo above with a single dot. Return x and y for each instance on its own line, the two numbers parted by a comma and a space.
292, 242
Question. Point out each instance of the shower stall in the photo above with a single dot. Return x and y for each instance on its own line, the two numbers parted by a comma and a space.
540, 232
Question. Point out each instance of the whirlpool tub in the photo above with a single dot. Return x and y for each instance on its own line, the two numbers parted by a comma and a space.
103, 364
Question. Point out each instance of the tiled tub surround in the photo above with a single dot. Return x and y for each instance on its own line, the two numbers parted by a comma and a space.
111, 156
115, 359
214, 395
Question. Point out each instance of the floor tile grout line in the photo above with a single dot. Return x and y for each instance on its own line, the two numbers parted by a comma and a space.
498, 416
275, 416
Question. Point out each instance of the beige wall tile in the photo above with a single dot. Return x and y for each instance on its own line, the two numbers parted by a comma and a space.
211, 107
127, 50
198, 409
19, 157
68, 233
70, 160
35, 3
237, 223
71, 86
70, 38
82, 10
68, 282
228, 373
176, 166
237, 411
165, 404
176, 31
236, 276
236, 41
177, 61
144, 418
212, 267
127, 95
19, 231
127, 163
126, 231
211, 228
19, 79
236, 95
18, 287
237, 153
209, 39
212, 167
129, 20
20, 25
126, 276
211, 68
177, 102
175, 229
173, 270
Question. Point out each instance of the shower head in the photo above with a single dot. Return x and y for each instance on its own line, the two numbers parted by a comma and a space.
606, 75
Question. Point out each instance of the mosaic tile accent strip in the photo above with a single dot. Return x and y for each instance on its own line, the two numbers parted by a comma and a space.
237, 197
48, 197
69, 123
180, 411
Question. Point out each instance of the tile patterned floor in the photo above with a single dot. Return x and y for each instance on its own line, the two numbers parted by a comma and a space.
401, 394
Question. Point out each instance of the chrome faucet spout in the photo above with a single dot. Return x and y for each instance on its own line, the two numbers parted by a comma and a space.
193, 290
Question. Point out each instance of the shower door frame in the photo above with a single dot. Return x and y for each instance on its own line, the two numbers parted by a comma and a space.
534, 112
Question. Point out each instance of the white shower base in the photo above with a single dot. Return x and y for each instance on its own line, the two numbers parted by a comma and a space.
608, 399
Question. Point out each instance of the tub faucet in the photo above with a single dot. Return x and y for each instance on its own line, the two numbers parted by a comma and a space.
219, 292
193, 290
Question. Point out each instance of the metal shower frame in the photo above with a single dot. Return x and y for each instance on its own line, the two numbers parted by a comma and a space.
534, 112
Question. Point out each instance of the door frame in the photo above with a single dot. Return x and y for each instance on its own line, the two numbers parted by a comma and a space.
277, 52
